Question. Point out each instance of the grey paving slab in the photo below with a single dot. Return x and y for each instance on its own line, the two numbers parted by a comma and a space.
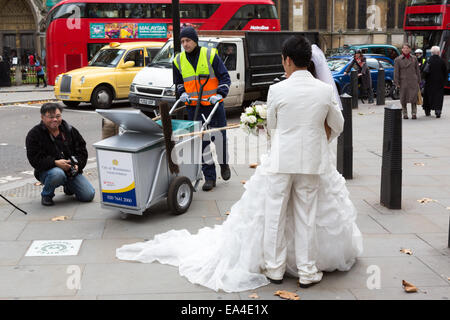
441, 220
362, 192
210, 295
10, 230
134, 278
35, 281
367, 225
204, 208
91, 252
389, 245
5, 211
364, 180
411, 207
407, 223
37, 212
392, 271
439, 241
150, 225
63, 230
94, 211
12, 251
416, 193
424, 293
439, 264
312, 293
224, 206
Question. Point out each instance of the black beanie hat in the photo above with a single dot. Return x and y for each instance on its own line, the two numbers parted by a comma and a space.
189, 32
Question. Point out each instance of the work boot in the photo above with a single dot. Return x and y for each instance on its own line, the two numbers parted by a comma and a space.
47, 201
225, 172
438, 115
414, 117
405, 117
209, 185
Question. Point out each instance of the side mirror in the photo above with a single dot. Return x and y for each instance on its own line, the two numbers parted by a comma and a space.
128, 64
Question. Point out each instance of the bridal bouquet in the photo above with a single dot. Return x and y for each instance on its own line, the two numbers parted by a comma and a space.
254, 118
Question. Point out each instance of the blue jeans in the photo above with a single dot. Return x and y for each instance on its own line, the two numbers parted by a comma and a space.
78, 185
219, 120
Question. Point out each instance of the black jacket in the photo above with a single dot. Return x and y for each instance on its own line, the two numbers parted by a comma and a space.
42, 151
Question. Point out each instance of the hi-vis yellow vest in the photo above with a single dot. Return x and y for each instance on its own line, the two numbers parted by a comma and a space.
191, 77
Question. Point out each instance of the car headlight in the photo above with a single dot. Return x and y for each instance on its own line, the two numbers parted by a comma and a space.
82, 80
57, 79
132, 87
169, 92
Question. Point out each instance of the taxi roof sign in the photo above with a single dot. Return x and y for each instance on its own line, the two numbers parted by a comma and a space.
114, 44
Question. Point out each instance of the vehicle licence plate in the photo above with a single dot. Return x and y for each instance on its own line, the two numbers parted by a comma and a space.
64, 97
148, 102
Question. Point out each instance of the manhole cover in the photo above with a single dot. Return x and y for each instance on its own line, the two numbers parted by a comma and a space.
54, 248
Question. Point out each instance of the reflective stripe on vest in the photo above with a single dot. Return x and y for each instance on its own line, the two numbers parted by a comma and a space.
191, 77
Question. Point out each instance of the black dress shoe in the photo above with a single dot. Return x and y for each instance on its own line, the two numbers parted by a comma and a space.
306, 286
209, 185
225, 172
47, 201
275, 281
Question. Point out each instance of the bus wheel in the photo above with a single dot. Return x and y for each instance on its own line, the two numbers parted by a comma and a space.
71, 104
102, 98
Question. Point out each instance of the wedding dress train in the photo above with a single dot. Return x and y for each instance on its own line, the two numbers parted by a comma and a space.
229, 257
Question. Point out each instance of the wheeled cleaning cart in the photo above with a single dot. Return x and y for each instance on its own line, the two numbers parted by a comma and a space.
133, 169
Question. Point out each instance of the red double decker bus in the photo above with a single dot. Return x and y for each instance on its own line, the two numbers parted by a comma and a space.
76, 29
427, 24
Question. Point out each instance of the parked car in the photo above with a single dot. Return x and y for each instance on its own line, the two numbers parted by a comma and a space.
338, 64
108, 76
386, 50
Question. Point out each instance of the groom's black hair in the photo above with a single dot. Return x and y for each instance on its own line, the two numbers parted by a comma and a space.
298, 48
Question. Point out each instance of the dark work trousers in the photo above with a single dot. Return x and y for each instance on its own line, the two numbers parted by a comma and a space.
39, 77
219, 120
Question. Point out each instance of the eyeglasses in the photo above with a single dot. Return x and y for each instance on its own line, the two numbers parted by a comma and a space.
54, 117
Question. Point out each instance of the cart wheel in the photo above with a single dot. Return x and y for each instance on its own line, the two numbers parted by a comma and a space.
123, 216
180, 195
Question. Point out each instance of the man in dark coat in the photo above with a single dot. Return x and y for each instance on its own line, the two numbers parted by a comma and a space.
359, 62
50, 146
407, 78
436, 75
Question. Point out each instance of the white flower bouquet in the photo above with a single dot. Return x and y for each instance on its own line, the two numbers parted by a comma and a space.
254, 118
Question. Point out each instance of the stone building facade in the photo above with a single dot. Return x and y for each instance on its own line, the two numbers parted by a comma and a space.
346, 22
22, 28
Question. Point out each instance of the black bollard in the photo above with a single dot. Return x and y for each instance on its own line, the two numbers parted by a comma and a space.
391, 169
449, 234
354, 88
345, 141
381, 88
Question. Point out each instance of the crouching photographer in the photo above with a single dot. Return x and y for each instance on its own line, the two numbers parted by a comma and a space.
58, 154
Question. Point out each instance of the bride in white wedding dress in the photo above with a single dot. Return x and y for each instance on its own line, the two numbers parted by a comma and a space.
229, 257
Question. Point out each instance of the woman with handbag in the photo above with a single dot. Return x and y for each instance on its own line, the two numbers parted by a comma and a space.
364, 77
39, 71
435, 73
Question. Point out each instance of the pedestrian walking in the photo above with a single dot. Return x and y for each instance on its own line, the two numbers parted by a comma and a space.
407, 79
187, 68
364, 77
38, 66
435, 73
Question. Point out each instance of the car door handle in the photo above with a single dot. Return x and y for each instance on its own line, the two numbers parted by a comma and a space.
238, 76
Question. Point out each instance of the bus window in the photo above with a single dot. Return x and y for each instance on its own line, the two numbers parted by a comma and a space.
137, 56
197, 11
135, 11
248, 12
66, 11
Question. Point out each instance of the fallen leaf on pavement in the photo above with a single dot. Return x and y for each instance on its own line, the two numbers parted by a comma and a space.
406, 251
254, 165
410, 288
361, 114
425, 200
287, 295
243, 181
227, 213
448, 208
419, 164
60, 218
38, 184
253, 296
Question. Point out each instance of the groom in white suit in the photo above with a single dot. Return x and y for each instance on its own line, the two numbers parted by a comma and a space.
299, 110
